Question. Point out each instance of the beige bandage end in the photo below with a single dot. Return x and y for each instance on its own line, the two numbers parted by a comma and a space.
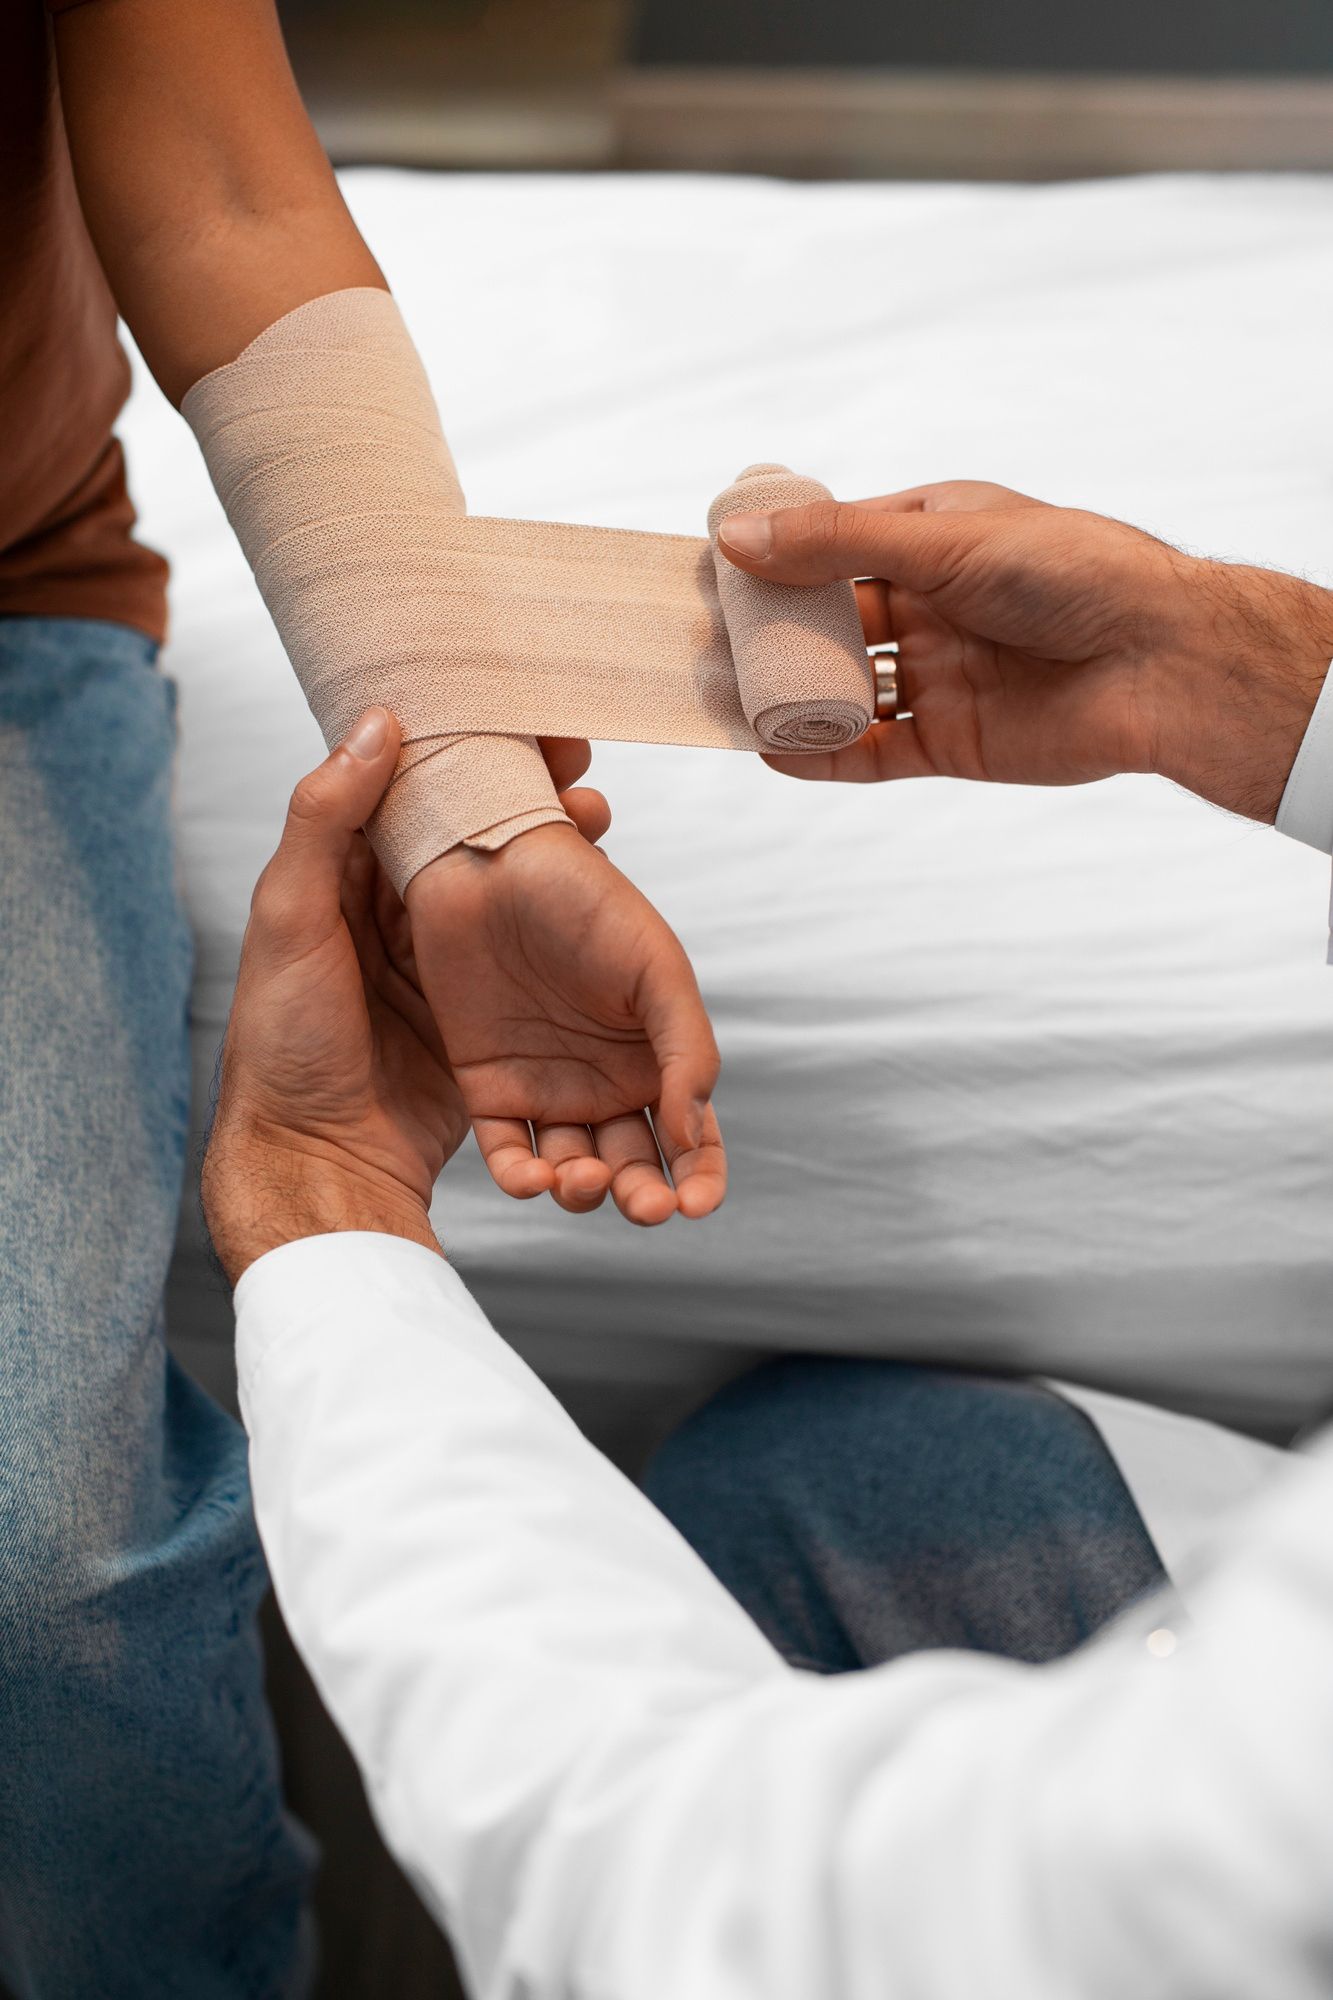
325, 446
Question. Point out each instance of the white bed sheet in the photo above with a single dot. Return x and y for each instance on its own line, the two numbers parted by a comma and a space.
1038, 1080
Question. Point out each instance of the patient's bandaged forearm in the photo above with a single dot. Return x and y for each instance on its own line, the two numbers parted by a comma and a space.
325, 446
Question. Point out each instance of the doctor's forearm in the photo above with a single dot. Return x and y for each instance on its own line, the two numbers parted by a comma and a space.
608, 1784
208, 196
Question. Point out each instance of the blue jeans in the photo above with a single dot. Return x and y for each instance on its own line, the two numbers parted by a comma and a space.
860, 1510
144, 1852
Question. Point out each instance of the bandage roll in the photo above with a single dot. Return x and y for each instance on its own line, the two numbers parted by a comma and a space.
326, 449
804, 678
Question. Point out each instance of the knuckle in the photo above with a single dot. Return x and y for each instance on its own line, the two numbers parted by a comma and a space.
964, 496
815, 531
272, 909
708, 1066
835, 524
263, 895
307, 802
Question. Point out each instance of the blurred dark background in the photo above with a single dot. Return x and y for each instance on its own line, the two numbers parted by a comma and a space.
1184, 37
1037, 89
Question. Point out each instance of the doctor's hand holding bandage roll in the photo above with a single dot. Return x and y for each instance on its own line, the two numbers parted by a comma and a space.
1042, 645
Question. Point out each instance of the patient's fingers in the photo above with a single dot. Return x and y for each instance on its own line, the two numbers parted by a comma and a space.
589, 811
677, 1025
639, 1186
581, 1179
700, 1172
506, 1147
567, 759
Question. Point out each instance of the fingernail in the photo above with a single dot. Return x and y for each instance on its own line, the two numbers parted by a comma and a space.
366, 737
749, 534
698, 1112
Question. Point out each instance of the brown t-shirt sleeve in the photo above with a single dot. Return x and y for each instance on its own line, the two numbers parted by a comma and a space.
66, 546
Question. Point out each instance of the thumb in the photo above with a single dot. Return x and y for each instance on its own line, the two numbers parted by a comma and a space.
829, 540
677, 1025
298, 900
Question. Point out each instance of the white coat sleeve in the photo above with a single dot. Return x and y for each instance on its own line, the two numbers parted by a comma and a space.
607, 1785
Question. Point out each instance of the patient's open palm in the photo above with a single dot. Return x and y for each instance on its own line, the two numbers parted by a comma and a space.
567, 1004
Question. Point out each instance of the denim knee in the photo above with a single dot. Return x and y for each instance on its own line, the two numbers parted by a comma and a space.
861, 1509
119, 1545
143, 1843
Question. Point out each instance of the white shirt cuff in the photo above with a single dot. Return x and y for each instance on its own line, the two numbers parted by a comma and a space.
1306, 808
358, 1277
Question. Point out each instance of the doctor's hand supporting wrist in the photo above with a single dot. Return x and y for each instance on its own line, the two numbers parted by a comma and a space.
336, 1107
1046, 646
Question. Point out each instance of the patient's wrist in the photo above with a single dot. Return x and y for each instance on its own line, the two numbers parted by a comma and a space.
262, 1191
475, 861
1232, 698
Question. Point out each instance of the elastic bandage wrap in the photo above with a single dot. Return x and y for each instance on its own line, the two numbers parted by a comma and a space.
325, 446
